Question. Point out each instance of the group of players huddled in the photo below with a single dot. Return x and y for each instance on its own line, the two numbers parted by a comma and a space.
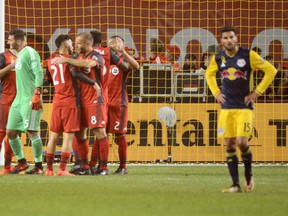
90, 92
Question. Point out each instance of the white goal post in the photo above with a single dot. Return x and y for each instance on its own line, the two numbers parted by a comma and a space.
2, 26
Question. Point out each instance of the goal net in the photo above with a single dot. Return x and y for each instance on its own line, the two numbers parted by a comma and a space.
172, 114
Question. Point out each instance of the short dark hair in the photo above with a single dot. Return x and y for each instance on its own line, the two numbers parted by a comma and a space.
97, 36
227, 28
18, 34
157, 45
257, 50
190, 57
61, 38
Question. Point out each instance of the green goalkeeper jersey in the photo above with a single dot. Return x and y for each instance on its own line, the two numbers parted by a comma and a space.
29, 75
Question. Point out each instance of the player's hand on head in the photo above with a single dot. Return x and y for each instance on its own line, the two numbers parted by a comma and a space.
118, 46
220, 98
36, 102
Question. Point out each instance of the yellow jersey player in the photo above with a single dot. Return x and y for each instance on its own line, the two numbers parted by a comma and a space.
236, 65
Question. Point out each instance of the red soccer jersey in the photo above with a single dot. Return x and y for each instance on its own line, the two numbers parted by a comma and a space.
66, 94
87, 91
8, 82
117, 91
108, 58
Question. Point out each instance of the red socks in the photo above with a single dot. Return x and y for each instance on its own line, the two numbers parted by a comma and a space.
8, 154
76, 150
122, 150
50, 160
65, 156
104, 152
2, 136
95, 154
83, 148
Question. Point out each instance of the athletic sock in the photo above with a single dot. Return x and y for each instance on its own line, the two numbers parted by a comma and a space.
232, 162
65, 156
83, 152
2, 136
104, 153
247, 160
16, 146
76, 151
50, 161
22, 161
8, 154
37, 148
122, 150
94, 154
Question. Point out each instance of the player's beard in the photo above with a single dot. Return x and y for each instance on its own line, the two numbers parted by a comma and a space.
230, 47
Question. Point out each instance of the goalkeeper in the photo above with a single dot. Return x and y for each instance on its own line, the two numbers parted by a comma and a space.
26, 109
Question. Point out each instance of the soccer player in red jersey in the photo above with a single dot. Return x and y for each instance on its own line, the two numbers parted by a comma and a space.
7, 95
66, 105
118, 100
94, 106
109, 58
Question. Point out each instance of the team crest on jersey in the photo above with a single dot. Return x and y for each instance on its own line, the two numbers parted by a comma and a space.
115, 71
241, 62
220, 131
18, 66
223, 61
95, 58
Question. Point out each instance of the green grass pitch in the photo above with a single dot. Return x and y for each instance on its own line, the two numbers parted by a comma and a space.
147, 190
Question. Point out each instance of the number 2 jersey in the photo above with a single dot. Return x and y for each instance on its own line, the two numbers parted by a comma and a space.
117, 91
237, 76
66, 94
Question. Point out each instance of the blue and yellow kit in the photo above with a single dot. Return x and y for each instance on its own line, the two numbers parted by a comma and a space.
237, 76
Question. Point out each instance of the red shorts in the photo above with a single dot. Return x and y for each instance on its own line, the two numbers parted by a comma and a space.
117, 119
65, 120
4, 111
94, 116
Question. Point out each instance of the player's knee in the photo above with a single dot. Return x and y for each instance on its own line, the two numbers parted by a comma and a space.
12, 134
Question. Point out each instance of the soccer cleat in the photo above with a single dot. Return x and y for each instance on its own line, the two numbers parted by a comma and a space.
49, 173
35, 171
101, 172
249, 187
6, 171
235, 188
19, 168
84, 172
121, 171
93, 170
75, 169
64, 173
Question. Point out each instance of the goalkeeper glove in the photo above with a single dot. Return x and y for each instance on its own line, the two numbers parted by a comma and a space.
36, 103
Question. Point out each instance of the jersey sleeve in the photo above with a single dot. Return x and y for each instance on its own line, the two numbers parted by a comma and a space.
2, 61
211, 77
36, 67
98, 58
115, 60
269, 71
